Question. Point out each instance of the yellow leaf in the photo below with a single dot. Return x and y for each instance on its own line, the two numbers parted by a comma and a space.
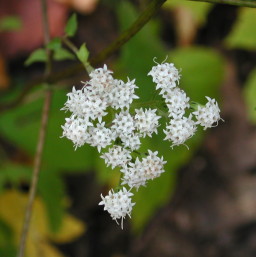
71, 229
12, 208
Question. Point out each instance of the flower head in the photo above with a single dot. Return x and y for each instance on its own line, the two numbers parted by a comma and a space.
146, 122
136, 174
100, 136
131, 141
209, 114
165, 75
75, 129
177, 101
118, 204
122, 94
123, 123
116, 156
180, 129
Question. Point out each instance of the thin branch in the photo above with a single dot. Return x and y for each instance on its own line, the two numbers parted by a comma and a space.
41, 138
242, 3
145, 16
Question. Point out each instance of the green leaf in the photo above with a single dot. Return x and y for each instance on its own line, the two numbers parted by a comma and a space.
71, 26
14, 174
10, 23
7, 248
38, 55
202, 71
249, 95
198, 10
51, 189
54, 44
83, 54
63, 54
21, 126
243, 34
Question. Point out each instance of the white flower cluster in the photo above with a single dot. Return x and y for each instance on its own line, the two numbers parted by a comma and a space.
118, 204
181, 127
101, 117
87, 125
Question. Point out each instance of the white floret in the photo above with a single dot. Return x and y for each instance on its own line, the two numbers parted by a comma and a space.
101, 76
118, 204
165, 75
131, 141
122, 94
209, 114
138, 173
123, 123
117, 156
146, 122
100, 136
75, 129
180, 129
177, 101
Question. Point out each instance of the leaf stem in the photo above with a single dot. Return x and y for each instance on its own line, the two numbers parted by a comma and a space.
41, 138
242, 3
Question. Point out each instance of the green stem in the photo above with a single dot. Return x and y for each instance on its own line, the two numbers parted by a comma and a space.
41, 138
75, 50
242, 3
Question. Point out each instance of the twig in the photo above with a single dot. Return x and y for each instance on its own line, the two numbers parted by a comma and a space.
242, 3
41, 138
145, 16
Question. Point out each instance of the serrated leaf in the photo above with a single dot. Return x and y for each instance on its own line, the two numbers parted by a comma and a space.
10, 23
243, 34
54, 44
38, 55
61, 54
249, 95
71, 26
83, 54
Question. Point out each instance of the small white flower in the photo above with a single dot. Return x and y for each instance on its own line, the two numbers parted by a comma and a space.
131, 141
118, 204
75, 129
146, 122
136, 174
177, 101
209, 114
100, 136
76, 103
117, 156
101, 76
123, 123
133, 174
180, 129
165, 75
122, 94
83, 104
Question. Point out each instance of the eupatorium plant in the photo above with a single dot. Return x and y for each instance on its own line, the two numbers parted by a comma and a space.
101, 116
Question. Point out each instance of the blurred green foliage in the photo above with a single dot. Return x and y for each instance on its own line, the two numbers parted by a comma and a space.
243, 34
10, 23
249, 95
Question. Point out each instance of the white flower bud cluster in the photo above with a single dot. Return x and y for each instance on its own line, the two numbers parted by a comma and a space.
181, 127
101, 117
